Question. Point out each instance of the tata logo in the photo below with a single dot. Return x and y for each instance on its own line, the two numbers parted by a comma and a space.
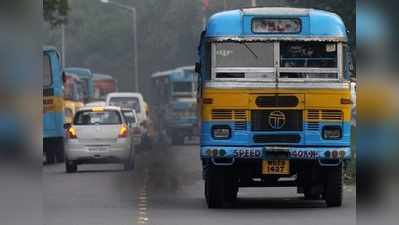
277, 120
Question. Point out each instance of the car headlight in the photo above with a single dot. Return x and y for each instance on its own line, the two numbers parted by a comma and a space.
332, 132
221, 132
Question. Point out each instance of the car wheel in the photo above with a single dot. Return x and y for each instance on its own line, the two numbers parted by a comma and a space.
71, 166
333, 186
126, 165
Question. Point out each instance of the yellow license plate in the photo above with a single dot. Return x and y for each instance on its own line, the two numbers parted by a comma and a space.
273, 167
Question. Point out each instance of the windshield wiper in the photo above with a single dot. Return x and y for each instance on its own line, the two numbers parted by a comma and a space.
253, 53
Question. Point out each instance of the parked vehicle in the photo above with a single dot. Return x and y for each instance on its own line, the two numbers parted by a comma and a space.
134, 101
177, 99
98, 135
53, 106
86, 78
103, 85
131, 118
275, 103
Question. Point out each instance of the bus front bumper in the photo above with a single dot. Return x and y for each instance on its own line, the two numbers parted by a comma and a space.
277, 152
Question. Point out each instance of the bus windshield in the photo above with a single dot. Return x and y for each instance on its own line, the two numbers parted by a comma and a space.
182, 87
244, 60
260, 60
85, 86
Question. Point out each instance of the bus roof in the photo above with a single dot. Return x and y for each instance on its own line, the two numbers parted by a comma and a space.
315, 24
81, 72
72, 75
50, 48
98, 76
172, 72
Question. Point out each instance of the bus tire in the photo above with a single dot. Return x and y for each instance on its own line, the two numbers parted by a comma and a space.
333, 186
48, 151
214, 188
70, 166
50, 157
230, 189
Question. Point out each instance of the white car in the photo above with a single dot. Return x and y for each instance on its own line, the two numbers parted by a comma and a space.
128, 100
98, 135
131, 118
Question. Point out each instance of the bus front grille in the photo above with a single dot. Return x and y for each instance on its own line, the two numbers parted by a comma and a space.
277, 138
262, 120
239, 116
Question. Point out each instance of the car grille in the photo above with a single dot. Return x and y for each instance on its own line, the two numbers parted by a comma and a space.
260, 120
277, 138
238, 116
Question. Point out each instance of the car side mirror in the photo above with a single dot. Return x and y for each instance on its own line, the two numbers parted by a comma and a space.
67, 126
197, 67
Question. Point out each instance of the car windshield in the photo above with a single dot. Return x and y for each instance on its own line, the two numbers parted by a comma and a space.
126, 102
89, 117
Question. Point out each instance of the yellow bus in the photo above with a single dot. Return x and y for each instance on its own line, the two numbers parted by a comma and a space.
275, 103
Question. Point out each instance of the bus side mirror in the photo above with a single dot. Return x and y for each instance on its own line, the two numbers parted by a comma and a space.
63, 77
197, 67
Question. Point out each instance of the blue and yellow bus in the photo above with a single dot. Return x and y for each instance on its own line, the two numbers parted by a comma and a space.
53, 106
86, 78
275, 103
177, 101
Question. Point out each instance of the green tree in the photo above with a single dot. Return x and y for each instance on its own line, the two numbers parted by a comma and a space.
55, 11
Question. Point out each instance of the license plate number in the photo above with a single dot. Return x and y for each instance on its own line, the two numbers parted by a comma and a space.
99, 149
276, 167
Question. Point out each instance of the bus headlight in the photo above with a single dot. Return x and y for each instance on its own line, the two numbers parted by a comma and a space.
221, 132
332, 132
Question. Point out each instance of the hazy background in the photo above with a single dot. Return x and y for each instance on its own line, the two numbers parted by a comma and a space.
100, 36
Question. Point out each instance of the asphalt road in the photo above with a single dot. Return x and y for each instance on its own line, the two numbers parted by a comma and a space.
166, 189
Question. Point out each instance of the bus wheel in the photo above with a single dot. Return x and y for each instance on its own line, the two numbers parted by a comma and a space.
50, 157
230, 188
214, 188
333, 186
